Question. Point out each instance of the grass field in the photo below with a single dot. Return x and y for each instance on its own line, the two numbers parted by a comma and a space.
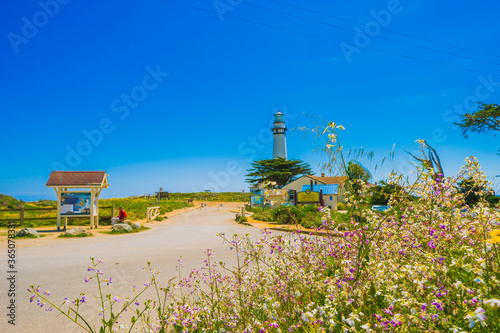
222, 196
135, 207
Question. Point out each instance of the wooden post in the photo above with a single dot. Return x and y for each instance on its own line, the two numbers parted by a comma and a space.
21, 216
65, 222
112, 210
92, 209
97, 206
58, 192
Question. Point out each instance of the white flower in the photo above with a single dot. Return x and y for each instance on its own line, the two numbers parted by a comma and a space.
366, 327
476, 316
493, 302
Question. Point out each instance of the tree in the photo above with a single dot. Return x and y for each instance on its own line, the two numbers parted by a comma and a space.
277, 170
472, 193
382, 192
430, 158
485, 120
355, 173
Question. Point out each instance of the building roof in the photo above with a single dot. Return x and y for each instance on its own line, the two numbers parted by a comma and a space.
327, 189
77, 178
330, 180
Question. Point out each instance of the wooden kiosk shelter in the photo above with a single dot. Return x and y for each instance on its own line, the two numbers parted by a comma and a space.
78, 194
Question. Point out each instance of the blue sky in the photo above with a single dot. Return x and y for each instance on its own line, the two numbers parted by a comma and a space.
164, 95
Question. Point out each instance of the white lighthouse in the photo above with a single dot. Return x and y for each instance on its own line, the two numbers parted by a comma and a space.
279, 138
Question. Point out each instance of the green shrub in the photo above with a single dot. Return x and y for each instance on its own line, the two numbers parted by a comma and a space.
241, 219
342, 206
493, 200
75, 236
265, 215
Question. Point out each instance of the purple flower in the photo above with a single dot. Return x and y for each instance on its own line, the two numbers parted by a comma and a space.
438, 305
424, 306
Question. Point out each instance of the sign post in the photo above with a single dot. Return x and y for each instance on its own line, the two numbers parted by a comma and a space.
78, 194
308, 197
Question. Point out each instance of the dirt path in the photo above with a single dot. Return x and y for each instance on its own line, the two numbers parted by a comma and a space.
60, 265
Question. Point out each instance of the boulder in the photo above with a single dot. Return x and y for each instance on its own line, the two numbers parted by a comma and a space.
27, 231
136, 225
76, 232
122, 227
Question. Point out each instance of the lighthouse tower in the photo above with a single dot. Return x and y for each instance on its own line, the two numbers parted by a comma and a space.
279, 139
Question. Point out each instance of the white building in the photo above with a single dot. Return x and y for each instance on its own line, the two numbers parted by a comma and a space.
332, 187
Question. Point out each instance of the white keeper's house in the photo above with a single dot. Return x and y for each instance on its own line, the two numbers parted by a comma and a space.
332, 188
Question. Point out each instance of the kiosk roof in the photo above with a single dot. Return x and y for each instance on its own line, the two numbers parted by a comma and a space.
76, 178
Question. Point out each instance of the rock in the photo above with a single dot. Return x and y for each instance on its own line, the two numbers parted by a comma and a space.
136, 225
27, 231
122, 227
76, 232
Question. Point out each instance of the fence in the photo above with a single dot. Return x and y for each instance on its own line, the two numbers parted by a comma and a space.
153, 212
222, 199
23, 211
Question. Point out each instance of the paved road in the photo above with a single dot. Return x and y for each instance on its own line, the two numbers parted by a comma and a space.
60, 265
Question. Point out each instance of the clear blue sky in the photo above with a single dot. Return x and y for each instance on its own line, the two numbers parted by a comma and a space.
93, 65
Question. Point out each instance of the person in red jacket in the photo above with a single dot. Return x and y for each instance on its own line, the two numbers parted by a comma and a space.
121, 216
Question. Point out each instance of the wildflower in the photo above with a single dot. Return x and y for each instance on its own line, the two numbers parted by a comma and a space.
350, 321
117, 299
109, 281
494, 240
438, 305
366, 327
476, 316
493, 302
478, 280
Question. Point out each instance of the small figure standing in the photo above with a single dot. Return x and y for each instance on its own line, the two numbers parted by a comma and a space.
121, 216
